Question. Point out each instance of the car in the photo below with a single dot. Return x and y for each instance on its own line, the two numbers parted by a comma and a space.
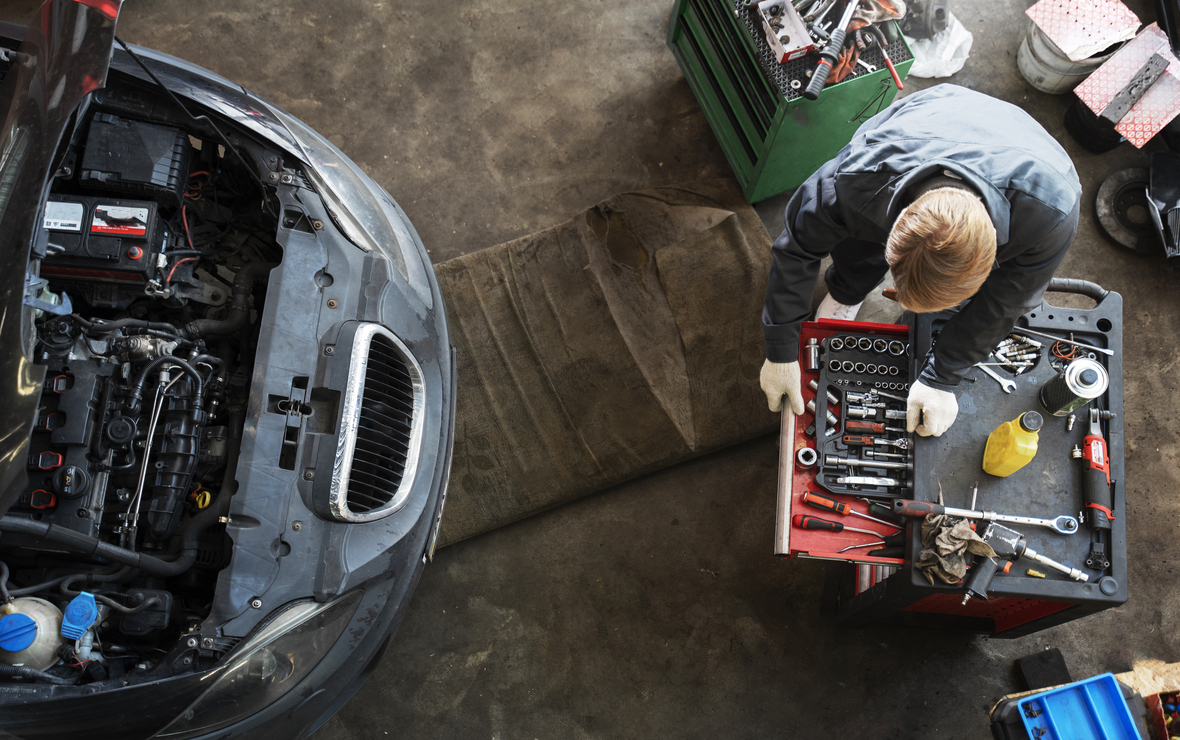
227, 408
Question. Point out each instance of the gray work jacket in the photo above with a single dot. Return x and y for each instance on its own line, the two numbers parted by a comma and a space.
1027, 182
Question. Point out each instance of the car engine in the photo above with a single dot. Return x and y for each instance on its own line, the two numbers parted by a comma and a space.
156, 249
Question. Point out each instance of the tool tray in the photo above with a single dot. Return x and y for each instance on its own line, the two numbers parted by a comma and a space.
795, 480
855, 376
1049, 486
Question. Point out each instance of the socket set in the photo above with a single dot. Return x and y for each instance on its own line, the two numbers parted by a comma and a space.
861, 444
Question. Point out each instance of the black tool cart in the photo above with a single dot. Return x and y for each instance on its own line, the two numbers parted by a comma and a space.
1028, 597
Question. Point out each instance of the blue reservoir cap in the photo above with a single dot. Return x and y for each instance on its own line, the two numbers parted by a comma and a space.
17, 632
78, 616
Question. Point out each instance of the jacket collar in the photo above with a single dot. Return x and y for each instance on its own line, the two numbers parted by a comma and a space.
997, 205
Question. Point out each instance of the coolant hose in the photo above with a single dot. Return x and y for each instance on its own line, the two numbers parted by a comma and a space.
94, 546
239, 309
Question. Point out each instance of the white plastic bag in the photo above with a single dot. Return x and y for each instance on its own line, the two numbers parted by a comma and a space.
944, 54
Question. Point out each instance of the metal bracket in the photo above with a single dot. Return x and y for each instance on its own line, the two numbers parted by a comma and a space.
33, 288
1126, 98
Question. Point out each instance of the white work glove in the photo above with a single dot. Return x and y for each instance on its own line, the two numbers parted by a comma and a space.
934, 408
782, 379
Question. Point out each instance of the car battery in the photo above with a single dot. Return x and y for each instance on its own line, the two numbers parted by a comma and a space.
97, 238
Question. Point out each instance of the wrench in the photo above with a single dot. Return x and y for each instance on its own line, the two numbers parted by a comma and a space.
1007, 385
868, 67
1060, 525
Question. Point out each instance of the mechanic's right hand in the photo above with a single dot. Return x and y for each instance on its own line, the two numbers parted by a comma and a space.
782, 379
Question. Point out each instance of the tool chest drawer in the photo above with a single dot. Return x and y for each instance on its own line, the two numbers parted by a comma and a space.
1028, 597
846, 413
772, 137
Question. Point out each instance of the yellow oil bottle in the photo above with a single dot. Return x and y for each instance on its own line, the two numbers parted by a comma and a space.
1012, 445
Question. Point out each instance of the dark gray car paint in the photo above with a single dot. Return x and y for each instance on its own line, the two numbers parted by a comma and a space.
325, 558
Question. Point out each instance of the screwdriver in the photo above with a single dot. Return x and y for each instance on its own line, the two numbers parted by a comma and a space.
803, 521
871, 426
893, 540
884, 512
819, 501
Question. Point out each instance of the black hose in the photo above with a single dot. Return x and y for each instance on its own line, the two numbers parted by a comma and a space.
20, 671
105, 327
190, 531
137, 387
1074, 285
4, 597
69, 581
93, 546
116, 573
239, 310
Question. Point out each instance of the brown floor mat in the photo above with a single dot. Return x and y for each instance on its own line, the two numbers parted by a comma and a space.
617, 343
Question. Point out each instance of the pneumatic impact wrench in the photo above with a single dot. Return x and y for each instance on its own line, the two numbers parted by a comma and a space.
1009, 546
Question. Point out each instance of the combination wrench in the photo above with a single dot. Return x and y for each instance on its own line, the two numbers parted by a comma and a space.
1005, 383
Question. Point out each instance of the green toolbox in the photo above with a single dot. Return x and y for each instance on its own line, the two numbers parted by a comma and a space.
773, 138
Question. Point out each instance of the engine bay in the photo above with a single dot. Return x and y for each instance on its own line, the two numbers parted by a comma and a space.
151, 274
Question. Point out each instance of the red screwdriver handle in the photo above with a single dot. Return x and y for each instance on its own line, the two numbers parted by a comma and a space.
905, 507
820, 501
803, 521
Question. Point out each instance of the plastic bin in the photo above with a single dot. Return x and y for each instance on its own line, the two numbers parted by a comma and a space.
1093, 709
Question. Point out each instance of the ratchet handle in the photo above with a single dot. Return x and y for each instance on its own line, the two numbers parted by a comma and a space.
827, 58
884, 512
905, 507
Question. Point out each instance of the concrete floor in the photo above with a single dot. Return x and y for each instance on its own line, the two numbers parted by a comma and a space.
656, 608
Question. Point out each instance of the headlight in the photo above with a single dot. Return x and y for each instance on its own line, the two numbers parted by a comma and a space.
266, 667
350, 201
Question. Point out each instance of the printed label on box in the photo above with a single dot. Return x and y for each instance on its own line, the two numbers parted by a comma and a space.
64, 216
119, 220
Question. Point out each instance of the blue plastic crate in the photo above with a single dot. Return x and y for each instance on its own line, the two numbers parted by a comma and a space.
1093, 709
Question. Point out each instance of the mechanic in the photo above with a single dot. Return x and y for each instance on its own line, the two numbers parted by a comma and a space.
963, 198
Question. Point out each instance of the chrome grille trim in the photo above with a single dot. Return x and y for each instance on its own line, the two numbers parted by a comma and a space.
350, 429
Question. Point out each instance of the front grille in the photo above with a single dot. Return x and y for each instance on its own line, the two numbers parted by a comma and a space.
380, 431
383, 434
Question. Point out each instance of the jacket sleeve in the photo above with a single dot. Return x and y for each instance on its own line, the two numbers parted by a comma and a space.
814, 225
1013, 288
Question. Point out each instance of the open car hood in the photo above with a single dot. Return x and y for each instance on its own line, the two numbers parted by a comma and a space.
64, 57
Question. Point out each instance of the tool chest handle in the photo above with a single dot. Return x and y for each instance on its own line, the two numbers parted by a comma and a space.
1073, 285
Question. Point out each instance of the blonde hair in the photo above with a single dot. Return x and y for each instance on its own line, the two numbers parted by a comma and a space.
940, 250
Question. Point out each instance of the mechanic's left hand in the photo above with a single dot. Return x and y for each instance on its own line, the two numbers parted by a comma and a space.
935, 409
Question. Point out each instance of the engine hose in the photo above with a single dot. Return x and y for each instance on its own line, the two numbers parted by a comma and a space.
141, 380
117, 573
4, 597
105, 327
20, 671
103, 599
239, 310
190, 531
94, 546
